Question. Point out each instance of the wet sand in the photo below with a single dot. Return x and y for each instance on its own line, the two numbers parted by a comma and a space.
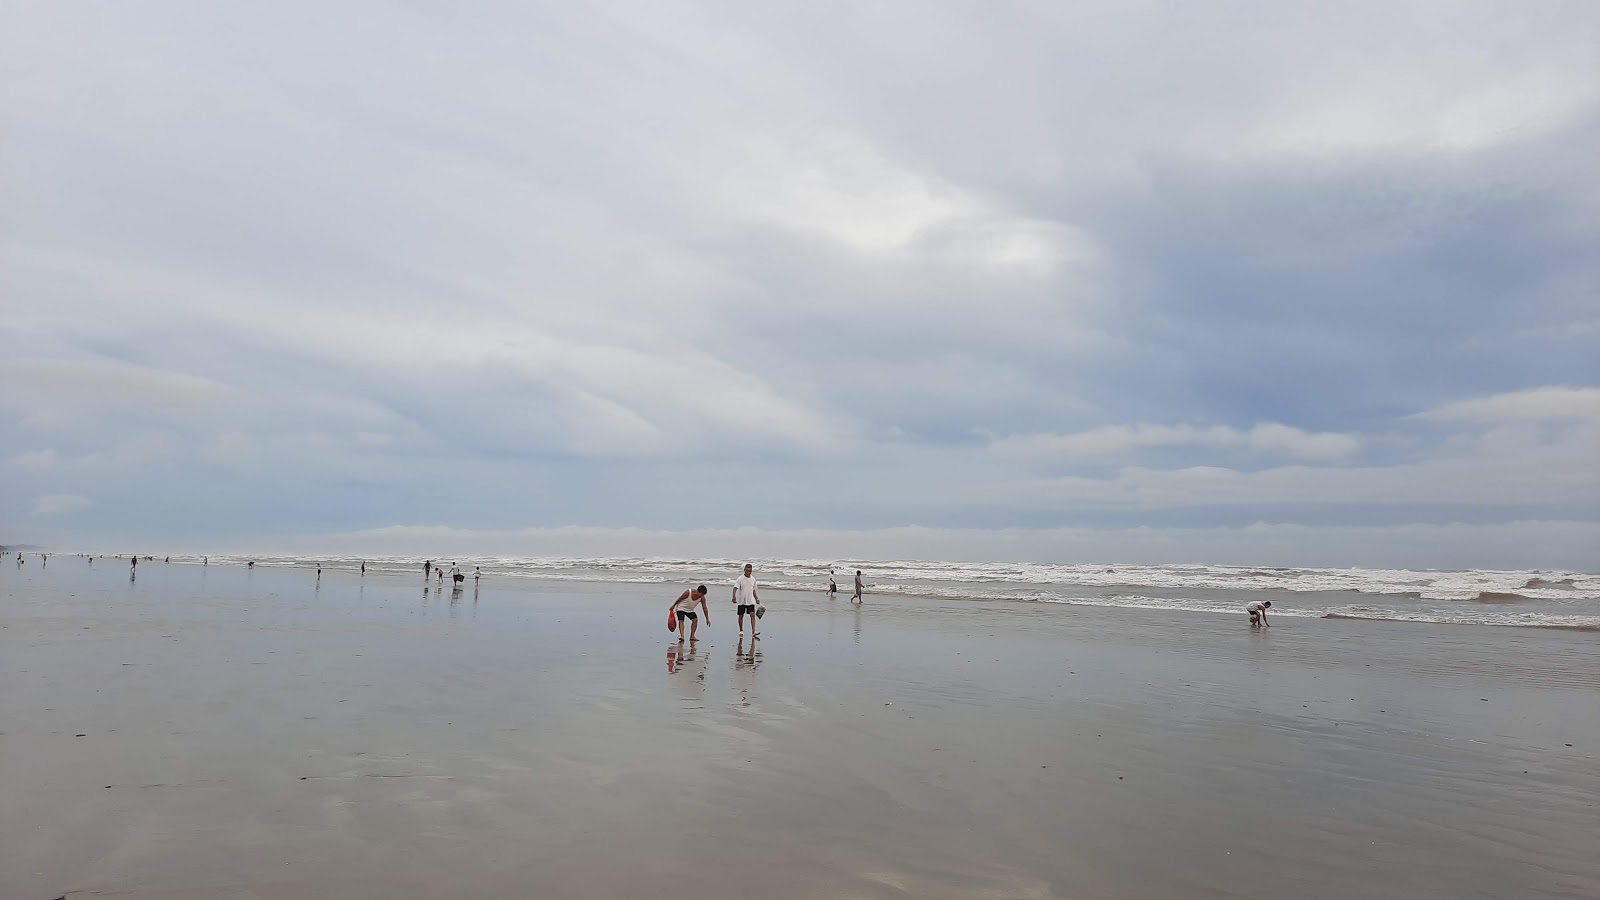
226, 733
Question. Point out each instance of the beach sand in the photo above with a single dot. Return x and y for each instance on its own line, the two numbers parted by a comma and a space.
217, 732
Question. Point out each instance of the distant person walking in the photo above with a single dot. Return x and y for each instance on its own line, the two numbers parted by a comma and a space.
477, 573
427, 568
456, 577
1258, 612
856, 597
135, 562
363, 567
745, 598
833, 587
684, 609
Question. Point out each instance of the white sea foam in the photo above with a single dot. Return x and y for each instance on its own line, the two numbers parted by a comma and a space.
1483, 597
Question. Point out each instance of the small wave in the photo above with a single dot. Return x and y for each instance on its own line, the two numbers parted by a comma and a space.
1550, 583
1500, 597
1566, 623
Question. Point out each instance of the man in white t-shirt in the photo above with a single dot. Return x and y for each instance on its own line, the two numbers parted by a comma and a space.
745, 599
1258, 611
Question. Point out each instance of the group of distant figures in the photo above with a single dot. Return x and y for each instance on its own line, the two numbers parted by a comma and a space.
683, 614
457, 577
44, 558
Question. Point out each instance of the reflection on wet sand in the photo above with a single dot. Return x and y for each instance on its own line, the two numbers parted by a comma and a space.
687, 656
745, 663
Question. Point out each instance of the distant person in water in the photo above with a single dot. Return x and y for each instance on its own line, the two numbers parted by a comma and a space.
477, 572
833, 586
427, 568
250, 565
455, 574
1258, 611
319, 571
168, 559
363, 567
135, 562
684, 608
856, 597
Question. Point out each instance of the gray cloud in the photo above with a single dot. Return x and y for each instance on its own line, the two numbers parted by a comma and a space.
798, 267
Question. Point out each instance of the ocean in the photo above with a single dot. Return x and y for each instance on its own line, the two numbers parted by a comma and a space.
1531, 598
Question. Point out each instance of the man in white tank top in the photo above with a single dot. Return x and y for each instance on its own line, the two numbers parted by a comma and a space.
684, 609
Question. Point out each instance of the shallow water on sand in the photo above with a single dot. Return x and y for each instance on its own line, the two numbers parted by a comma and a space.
1528, 599
255, 734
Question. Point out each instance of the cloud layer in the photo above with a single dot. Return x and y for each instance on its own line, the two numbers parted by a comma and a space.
795, 267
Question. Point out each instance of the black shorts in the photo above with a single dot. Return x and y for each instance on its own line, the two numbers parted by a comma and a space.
687, 615
459, 577
746, 609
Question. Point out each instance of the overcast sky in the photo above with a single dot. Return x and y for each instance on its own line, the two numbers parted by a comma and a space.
1207, 282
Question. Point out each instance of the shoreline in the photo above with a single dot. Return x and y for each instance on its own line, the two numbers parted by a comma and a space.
1571, 603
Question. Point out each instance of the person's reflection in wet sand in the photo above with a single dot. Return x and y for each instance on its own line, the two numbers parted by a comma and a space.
687, 658
745, 664
858, 622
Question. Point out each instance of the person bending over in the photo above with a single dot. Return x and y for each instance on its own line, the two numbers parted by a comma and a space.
1258, 611
684, 608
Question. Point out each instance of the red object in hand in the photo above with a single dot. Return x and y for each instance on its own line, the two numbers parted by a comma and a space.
672, 620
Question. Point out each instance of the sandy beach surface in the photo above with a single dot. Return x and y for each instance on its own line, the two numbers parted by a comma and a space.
218, 732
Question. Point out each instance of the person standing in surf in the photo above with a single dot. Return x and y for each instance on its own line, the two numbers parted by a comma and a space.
856, 597
684, 609
833, 587
745, 598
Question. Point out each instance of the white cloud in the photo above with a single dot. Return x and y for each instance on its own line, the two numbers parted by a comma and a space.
59, 504
135, 450
1503, 468
1554, 402
1109, 440
234, 450
101, 383
1558, 543
1569, 331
